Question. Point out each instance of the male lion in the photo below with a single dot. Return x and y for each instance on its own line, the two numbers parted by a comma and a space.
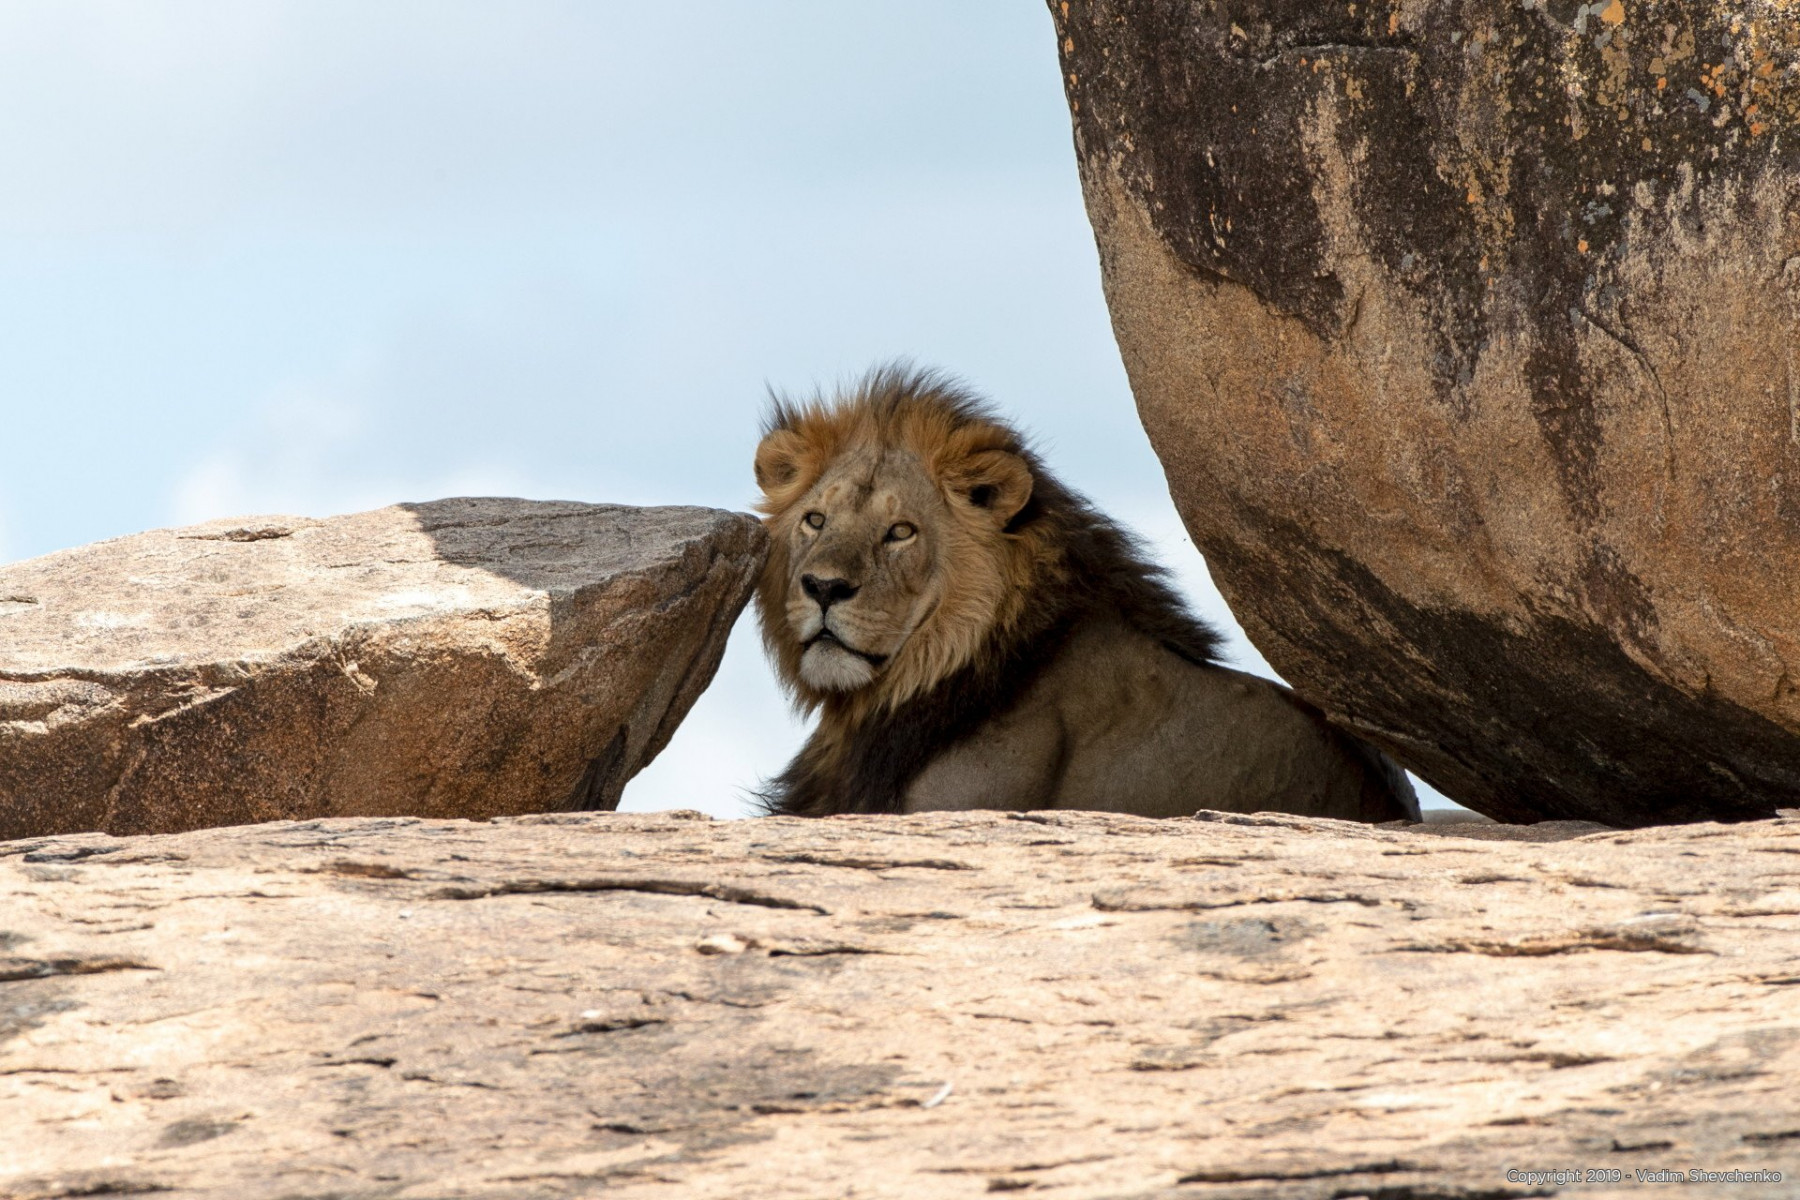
975, 635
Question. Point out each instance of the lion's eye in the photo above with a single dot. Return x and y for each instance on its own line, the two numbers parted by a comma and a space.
815, 520
900, 532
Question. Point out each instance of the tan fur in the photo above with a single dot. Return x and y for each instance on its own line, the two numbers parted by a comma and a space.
1118, 724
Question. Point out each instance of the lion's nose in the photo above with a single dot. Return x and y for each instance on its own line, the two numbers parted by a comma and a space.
827, 592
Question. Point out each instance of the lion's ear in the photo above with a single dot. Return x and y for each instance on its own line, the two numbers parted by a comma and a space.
779, 460
994, 481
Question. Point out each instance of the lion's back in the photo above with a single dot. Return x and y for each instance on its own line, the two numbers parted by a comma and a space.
1118, 722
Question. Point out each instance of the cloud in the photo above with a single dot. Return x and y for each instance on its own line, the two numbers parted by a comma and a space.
314, 453
281, 463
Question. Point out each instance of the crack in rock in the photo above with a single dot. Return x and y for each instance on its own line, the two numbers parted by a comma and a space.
655, 887
12, 970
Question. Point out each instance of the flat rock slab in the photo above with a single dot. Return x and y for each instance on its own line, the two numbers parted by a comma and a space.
948, 1005
460, 658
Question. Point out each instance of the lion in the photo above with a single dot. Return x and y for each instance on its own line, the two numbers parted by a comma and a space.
973, 634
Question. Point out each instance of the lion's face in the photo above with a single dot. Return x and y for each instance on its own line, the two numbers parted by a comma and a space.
864, 569
886, 566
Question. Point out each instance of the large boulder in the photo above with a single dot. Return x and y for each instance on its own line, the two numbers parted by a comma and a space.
461, 658
944, 1006
1469, 336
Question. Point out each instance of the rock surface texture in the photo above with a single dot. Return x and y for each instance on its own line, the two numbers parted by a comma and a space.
1469, 336
461, 658
1064, 1005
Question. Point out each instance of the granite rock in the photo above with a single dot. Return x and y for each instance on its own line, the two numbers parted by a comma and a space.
948, 1005
1468, 334
462, 658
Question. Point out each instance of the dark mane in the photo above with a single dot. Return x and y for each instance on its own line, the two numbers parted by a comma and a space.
1097, 569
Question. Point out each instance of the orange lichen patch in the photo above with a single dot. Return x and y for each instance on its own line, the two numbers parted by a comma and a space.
1582, 245
1068, 45
1661, 84
1614, 13
1393, 24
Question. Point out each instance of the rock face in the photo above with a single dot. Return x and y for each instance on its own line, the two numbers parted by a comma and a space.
1073, 1005
1469, 336
460, 658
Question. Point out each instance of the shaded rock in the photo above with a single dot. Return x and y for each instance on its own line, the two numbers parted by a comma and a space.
1467, 334
459, 658
1074, 1005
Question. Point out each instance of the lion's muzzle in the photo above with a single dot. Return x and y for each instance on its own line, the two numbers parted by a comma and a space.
830, 661
831, 666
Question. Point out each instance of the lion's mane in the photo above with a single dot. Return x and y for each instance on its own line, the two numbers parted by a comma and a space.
1063, 562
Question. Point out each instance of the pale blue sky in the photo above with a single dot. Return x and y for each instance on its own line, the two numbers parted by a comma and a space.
323, 255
